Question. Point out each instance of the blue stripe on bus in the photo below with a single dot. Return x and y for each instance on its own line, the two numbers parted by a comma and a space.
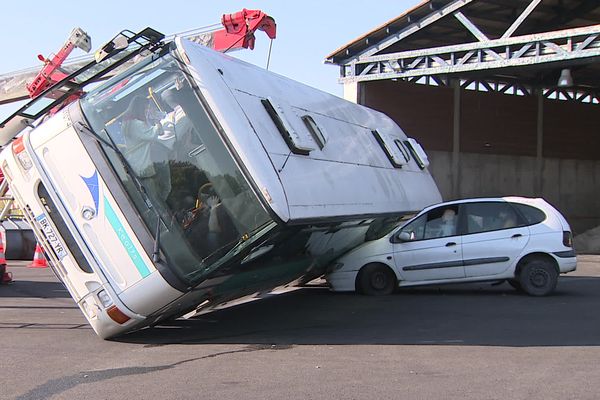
125, 240
94, 188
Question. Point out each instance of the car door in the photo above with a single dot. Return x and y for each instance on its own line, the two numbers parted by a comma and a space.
495, 236
429, 247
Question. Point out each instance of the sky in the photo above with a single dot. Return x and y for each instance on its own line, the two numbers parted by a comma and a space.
307, 31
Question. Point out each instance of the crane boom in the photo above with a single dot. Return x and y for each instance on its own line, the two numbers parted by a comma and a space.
51, 72
237, 33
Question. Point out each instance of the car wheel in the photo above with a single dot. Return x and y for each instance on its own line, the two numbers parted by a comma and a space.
538, 277
376, 280
515, 284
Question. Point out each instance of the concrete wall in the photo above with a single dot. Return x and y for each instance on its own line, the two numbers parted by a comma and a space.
499, 145
572, 186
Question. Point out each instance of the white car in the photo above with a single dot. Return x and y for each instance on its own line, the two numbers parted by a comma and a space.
524, 241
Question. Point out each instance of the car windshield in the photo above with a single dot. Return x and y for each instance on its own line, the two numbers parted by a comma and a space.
160, 140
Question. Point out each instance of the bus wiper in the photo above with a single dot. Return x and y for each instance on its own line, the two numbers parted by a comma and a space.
142, 189
156, 247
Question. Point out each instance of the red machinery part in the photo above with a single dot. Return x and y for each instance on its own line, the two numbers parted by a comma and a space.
51, 72
240, 27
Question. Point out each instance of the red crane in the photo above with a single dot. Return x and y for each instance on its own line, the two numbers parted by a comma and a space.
238, 32
51, 72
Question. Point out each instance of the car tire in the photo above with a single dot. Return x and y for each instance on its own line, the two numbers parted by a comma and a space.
538, 277
515, 284
376, 280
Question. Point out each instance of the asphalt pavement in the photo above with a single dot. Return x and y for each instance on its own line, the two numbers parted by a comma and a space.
473, 341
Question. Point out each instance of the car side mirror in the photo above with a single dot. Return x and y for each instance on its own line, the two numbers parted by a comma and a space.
405, 236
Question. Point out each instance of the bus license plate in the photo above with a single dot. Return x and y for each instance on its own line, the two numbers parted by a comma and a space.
51, 236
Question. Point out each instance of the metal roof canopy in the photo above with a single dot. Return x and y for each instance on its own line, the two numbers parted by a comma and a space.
509, 46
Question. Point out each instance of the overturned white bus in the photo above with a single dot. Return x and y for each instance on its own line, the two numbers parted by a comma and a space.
192, 178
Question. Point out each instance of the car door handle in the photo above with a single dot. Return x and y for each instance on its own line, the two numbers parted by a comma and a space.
516, 235
450, 244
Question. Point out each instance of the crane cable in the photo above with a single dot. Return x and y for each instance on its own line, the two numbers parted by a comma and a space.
269, 55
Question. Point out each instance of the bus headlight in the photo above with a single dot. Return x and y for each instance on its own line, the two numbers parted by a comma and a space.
105, 299
112, 310
90, 308
24, 160
18, 148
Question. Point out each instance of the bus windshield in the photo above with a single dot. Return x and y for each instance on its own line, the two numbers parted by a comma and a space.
195, 193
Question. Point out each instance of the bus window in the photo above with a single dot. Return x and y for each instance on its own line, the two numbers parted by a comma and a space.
296, 141
315, 131
417, 152
390, 148
175, 166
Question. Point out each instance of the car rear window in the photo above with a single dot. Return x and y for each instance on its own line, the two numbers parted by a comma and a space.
531, 214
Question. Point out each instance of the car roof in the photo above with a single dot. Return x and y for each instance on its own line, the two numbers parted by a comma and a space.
538, 202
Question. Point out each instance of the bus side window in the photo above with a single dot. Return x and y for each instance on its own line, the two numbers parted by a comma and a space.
403, 150
396, 154
417, 152
315, 131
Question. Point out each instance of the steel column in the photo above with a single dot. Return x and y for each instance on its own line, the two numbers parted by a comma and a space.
539, 160
456, 140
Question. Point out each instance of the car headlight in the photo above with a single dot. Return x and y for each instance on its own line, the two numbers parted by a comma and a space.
334, 267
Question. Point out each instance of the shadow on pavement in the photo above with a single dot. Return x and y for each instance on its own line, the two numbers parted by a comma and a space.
24, 288
478, 314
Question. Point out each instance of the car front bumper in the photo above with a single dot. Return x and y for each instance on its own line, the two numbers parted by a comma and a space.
342, 281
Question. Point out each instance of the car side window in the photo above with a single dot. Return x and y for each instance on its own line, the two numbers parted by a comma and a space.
415, 229
437, 223
490, 216
531, 214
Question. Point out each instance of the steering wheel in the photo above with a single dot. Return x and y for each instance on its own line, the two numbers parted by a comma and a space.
193, 213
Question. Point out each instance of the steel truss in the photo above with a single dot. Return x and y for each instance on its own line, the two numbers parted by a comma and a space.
434, 66
512, 87
559, 46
